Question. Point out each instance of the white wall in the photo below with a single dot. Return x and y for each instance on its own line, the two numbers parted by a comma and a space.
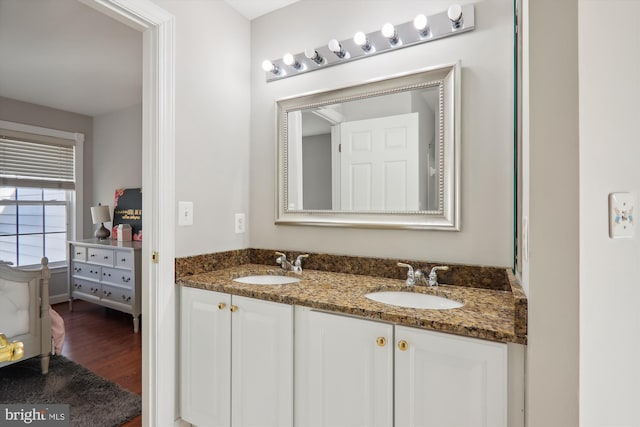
487, 124
552, 206
212, 122
117, 154
609, 269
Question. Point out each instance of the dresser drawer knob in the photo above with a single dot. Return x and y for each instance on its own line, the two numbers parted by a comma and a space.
106, 257
123, 260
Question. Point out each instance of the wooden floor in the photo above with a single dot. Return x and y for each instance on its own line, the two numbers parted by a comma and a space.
102, 340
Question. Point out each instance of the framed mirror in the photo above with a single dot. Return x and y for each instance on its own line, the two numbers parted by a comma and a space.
382, 154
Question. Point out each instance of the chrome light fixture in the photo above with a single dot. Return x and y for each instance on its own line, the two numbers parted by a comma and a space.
453, 21
389, 31
291, 61
421, 23
270, 67
361, 40
313, 55
335, 47
455, 15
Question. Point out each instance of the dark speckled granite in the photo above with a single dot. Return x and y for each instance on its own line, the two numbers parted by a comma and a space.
188, 266
495, 304
461, 275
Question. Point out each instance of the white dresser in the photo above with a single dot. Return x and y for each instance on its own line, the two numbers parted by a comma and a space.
106, 272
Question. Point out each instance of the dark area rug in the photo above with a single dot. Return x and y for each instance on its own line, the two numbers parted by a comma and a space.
93, 401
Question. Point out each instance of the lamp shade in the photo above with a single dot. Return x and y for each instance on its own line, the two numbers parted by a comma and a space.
100, 214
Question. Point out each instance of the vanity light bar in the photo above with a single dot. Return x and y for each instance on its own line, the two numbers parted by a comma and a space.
456, 20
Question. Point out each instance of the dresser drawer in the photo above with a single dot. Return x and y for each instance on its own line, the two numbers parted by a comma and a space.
86, 287
89, 271
118, 277
78, 253
100, 256
125, 259
118, 294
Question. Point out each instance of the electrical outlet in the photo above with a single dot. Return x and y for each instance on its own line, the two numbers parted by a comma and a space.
185, 213
240, 223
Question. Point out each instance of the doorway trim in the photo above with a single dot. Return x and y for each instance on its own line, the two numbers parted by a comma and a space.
158, 183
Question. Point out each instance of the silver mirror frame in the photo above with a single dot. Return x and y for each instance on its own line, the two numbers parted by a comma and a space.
447, 217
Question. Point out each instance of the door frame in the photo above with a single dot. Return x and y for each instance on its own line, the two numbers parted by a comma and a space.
158, 183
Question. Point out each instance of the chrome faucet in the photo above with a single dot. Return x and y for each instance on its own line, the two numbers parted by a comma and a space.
433, 275
297, 266
411, 276
417, 277
285, 264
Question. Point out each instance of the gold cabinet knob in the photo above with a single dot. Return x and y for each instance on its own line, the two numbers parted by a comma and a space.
221, 306
233, 308
381, 341
403, 345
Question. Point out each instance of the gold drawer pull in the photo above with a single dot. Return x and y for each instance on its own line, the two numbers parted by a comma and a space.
403, 345
381, 341
221, 306
233, 308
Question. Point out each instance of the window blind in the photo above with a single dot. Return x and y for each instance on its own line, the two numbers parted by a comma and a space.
29, 160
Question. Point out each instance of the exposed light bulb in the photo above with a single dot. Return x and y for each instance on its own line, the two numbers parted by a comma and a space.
361, 40
291, 61
421, 23
389, 31
269, 67
288, 59
335, 47
313, 55
455, 15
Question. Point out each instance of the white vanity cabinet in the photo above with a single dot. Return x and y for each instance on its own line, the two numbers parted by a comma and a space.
107, 272
348, 369
446, 380
236, 360
343, 371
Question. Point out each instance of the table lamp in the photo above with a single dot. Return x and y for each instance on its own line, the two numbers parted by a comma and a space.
99, 215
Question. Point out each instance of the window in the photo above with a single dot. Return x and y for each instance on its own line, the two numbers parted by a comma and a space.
33, 224
38, 206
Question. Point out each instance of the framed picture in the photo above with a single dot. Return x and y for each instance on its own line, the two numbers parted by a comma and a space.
128, 210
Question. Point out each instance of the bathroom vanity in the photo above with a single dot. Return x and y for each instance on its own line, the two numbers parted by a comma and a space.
319, 353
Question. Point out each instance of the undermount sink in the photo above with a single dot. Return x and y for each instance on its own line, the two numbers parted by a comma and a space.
414, 300
267, 279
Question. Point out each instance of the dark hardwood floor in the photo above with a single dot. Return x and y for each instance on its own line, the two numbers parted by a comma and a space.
102, 340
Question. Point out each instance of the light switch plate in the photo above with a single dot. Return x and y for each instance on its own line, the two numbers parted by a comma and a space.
185, 213
621, 215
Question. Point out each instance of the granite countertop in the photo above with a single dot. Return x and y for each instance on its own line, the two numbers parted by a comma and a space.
494, 315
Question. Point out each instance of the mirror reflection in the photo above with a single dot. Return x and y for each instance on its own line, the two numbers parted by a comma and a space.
373, 154
380, 154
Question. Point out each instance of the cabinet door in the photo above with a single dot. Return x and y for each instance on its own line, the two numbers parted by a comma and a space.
205, 357
344, 371
262, 363
446, 380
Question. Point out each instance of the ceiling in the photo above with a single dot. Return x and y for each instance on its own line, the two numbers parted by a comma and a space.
252, 9
65, 55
